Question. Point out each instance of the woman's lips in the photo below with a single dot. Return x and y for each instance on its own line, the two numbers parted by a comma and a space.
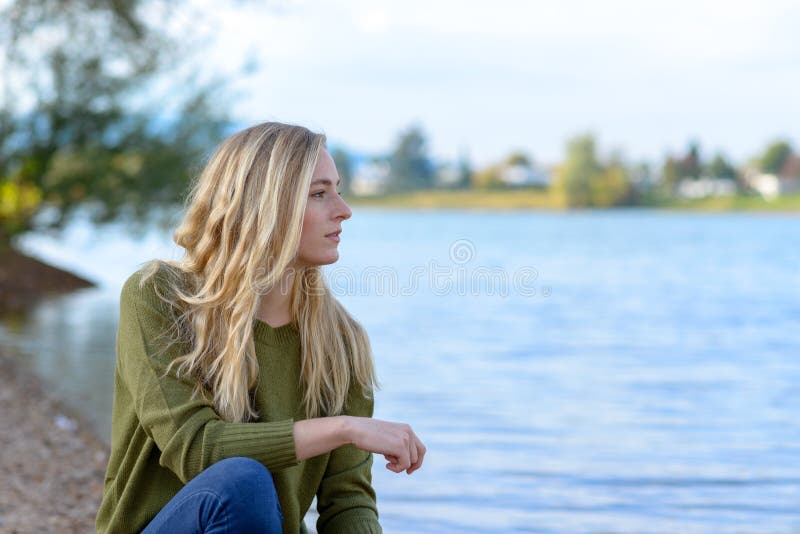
334, 236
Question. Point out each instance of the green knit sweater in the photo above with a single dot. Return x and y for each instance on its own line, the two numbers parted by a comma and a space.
162, 437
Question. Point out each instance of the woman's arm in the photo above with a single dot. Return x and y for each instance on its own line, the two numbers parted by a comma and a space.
397, 442
313, 437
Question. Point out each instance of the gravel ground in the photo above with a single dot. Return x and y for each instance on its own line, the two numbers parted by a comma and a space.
51, 464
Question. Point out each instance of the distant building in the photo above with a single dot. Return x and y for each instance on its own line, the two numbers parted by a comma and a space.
706, 187
449, 175
370, 178
522, 175
791, 167
770, 186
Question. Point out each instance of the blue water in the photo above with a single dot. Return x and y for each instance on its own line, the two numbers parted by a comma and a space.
613, 371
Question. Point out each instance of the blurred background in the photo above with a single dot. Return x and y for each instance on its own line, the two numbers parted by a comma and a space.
574, 242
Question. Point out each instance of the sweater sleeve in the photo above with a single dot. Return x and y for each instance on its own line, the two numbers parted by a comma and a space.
186, 429
345, 498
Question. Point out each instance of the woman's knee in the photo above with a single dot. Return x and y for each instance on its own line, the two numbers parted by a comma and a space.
250, 488
244, 473
232, 495
240, 466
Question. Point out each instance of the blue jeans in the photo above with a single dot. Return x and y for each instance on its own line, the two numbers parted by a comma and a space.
233, 495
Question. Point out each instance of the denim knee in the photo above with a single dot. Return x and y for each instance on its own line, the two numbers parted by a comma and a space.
242, 470
250, 486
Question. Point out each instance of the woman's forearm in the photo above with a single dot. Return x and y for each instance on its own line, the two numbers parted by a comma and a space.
313, 437
397, 442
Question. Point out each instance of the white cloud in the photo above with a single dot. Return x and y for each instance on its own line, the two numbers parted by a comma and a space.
372, 20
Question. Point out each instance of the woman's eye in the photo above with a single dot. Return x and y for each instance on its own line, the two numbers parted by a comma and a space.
318, 194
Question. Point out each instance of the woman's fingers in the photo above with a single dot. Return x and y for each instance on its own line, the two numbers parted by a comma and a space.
420, 454
392, 463
396, 441
416, 451
413, 451
412, 448
404, 454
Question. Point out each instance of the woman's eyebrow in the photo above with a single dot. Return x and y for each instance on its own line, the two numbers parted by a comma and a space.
324, 181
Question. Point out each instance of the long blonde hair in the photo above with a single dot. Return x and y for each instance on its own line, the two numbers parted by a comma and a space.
240, 233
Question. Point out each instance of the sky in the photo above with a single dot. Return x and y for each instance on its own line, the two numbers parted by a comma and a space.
487, 78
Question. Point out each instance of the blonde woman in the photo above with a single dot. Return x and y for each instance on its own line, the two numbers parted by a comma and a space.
243, 388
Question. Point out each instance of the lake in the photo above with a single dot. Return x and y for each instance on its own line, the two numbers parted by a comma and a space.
622, 371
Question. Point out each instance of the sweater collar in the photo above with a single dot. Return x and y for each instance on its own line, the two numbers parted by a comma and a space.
281, 335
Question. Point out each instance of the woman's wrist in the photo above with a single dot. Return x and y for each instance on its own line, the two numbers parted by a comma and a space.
317, 436
346, 429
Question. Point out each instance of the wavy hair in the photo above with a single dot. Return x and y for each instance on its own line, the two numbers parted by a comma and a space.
241, 232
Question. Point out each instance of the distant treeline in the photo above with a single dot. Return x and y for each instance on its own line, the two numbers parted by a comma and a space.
583, 178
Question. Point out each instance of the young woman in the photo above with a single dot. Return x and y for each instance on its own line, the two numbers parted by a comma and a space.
243, 388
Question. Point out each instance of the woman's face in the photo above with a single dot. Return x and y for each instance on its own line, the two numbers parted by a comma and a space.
325, 211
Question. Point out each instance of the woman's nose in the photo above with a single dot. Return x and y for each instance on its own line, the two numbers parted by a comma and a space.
343, 212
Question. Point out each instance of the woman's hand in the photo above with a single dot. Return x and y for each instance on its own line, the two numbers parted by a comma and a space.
397, 442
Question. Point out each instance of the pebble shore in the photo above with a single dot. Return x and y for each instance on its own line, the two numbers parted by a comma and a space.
52, 463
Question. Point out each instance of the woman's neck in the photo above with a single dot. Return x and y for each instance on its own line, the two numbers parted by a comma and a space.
274, 306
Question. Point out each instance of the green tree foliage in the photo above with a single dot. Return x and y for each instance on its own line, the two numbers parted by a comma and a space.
775, 156
584, 181
721, 168
669, 175
465, 171
410, 166
690, 165
518, 158
487, 177
81, 120
491, 177
345, 168
576, 173
611, 187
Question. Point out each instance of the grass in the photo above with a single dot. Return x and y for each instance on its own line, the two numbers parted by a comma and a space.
786, 203
500, 199
539, 199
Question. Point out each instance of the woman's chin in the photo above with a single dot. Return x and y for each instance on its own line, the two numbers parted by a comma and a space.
320, 260
333, 259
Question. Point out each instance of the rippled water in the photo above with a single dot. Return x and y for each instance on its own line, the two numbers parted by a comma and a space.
617, 371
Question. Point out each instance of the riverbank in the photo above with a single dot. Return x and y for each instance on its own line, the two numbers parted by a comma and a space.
541, 199
24, 280
52, 463
498, 199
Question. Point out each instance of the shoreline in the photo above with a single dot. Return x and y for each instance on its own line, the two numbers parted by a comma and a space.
25, 279
53, 463
532, 199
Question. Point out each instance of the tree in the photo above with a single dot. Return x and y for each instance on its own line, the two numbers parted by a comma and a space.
775, 156
518, 158
492, 176
409, 164
611, 187
342, 161
464, 170
670, 175
82, 122
575, 175
583, 181
720, 168
487, 177
690, 166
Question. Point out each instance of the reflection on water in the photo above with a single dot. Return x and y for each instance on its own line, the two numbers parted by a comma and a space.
69, 341
649, 385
